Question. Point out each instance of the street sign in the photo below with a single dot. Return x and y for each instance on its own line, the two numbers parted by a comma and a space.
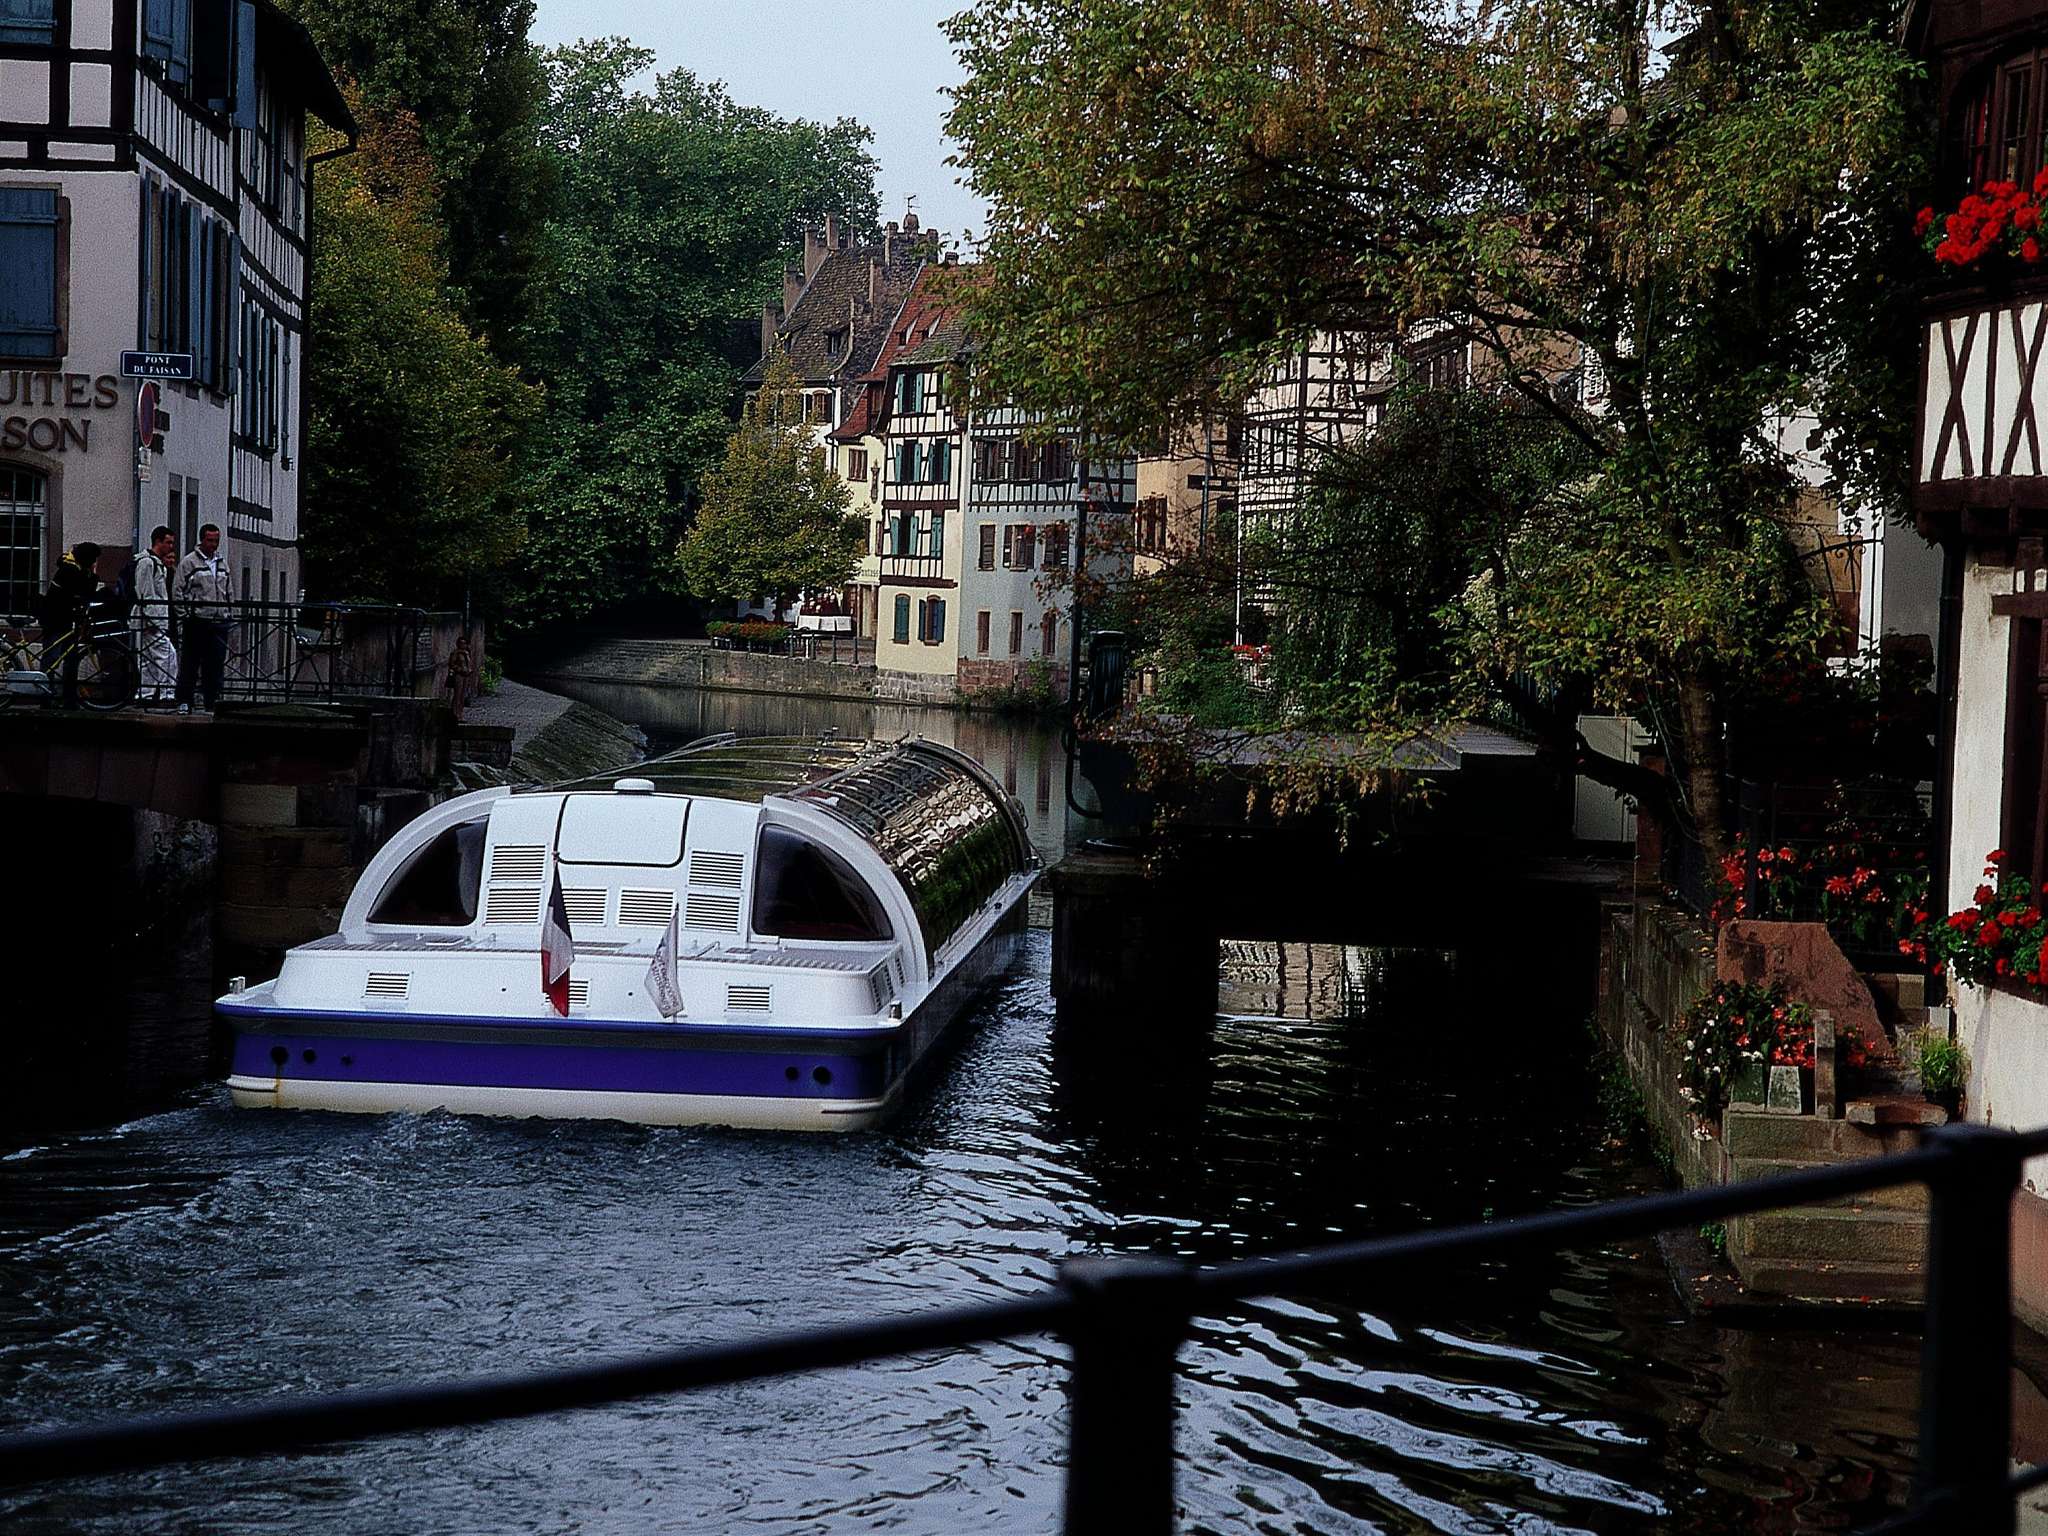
156, 365
145, 412
142, 472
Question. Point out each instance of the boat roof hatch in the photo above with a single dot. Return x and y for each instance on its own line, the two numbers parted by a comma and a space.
646, 831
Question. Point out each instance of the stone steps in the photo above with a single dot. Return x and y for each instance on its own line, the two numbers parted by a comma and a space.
1900, 1197
1831, 1234
1761, 1133
1822, 1280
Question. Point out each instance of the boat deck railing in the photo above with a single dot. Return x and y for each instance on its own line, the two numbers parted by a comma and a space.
1124, 1320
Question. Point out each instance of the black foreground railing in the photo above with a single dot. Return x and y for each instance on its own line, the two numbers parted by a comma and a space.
1125, 1319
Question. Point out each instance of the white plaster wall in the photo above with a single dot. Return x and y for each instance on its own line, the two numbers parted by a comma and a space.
2006, 1036
92, 492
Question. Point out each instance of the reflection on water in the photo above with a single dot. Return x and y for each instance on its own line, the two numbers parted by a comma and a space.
202, 1256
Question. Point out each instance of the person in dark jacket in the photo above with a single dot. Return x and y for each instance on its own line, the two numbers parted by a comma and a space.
65, 610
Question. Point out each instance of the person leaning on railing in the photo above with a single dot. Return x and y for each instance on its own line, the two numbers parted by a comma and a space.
201, 596
155, 641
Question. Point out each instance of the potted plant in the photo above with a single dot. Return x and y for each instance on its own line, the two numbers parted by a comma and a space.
1944, 1068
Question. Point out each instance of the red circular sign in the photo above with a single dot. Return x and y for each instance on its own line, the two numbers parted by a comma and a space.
145, 411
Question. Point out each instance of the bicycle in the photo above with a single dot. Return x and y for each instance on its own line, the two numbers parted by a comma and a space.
97, 652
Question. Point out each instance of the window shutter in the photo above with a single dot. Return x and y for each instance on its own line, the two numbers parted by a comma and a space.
981, 632
988, 546
902, 619
938, 620
2026, 726
28, 272
28, 21
158, 28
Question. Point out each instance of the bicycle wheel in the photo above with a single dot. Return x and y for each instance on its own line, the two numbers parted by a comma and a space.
106, 675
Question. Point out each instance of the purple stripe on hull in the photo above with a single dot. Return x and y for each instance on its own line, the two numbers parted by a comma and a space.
312, 1055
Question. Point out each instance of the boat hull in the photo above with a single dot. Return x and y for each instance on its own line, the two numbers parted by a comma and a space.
769, 1077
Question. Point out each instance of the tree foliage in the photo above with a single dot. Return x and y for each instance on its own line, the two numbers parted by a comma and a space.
1182, 189
676, 212
775, 520
468, 75
412, 423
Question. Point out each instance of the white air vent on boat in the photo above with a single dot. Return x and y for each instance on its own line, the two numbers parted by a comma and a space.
744, 997
586, 906
518, 861
512, 904
708, 868
387, 984
881, 986
650, 909
712, 909
579, 993
896, 965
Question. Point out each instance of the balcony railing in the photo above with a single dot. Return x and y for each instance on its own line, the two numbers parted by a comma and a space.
1125, 1319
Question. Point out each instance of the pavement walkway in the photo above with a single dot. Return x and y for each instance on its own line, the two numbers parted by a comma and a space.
529, 711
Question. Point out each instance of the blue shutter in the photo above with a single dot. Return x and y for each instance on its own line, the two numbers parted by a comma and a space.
28, 21
28, 272
245, 66
902, 619
195, 281
938, 620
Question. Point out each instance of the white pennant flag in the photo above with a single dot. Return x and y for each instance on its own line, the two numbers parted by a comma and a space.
661, 971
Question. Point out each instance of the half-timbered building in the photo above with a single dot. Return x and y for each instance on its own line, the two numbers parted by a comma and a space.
1980, 490
153, 198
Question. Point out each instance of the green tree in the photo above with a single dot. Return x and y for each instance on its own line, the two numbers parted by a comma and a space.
776, 521
412, 423
677, 212
1181, 189
470, 77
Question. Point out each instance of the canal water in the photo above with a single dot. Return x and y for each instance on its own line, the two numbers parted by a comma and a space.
194, 1256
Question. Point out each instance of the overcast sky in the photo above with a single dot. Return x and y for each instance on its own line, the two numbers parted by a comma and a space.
882, 62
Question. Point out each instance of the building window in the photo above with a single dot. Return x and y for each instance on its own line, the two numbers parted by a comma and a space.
937, 624
905, 531
1055, 545
939, 461
856, 463
981, 633
1023, 460
902, 620
1998, 128
986, 560
1023, 547
1049, 632
988, 458
933, 535
1151, 521
24, 512
1016, 633
167, 37
1055, 462
2026, 729
28, 273
28, 21
1445, 368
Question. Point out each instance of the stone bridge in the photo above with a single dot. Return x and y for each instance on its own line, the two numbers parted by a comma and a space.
301, 794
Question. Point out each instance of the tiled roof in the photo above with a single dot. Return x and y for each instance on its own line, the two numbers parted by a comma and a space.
835, 307
922, 320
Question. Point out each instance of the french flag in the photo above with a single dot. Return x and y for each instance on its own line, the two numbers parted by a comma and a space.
557, 949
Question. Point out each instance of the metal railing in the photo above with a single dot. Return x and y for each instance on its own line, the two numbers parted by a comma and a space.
835, 645
279, 652
1125, 1319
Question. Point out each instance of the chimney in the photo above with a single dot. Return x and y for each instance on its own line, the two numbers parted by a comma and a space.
952, 258
815, 247
888, 242
771, 317
910, 223
792, 288
832, 235
874, 282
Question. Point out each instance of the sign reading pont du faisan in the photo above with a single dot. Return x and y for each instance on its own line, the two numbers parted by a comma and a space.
53, 412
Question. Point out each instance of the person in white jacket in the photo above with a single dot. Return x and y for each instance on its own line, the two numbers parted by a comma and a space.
153, 648
200, 588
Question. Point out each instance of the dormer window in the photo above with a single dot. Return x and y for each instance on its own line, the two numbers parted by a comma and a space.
1998, 128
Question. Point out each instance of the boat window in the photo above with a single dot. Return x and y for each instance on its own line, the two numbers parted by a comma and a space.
645, 831
437, 887
802, 891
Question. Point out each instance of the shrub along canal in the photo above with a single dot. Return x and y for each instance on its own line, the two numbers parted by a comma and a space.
196, 1256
